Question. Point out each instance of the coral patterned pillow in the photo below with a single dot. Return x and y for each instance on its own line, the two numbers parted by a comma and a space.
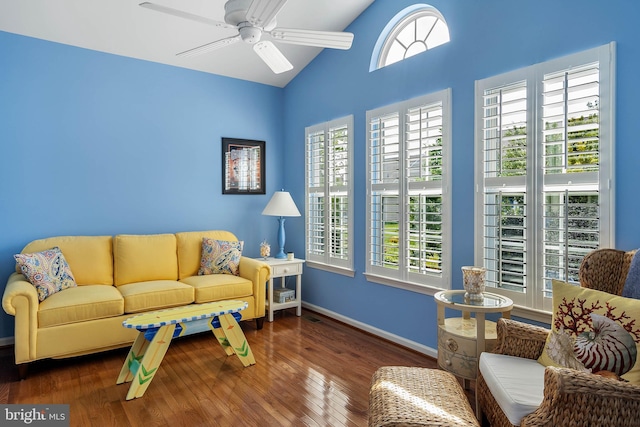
220, 257
47, 271
594, 331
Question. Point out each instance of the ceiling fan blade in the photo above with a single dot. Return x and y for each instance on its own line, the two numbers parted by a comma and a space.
262, 12
185, 15
330, 39
272, 56
210, 46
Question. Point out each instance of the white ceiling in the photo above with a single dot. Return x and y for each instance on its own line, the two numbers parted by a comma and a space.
123, 28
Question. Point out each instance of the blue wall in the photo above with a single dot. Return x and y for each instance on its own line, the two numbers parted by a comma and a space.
487, 38
93, 143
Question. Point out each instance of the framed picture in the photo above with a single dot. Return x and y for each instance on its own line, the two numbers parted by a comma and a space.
242, 166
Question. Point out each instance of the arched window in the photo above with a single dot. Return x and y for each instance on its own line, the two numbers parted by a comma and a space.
414, 30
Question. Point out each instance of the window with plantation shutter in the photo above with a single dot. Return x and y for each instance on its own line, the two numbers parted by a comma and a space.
544, 177
408, 209
329, 189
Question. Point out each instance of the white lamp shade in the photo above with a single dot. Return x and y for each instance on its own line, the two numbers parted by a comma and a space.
281, 204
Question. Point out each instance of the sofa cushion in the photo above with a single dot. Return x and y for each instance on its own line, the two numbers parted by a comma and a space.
593, 331
89, 257
220, 256
138, 258
79, 304
155, 295
216, 287
190, 249
48, 271
516, 383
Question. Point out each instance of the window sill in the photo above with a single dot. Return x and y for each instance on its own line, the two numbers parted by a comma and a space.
531, 314
517, 311
408, 286
332, 269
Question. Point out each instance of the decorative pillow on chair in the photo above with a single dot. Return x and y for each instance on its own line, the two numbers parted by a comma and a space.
594, 331
220, 257
48, 271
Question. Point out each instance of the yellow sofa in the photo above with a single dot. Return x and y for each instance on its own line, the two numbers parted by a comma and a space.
118, 277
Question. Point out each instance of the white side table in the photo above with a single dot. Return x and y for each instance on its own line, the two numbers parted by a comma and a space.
283, 268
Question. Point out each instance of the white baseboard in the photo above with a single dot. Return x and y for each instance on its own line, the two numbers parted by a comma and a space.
5, 342
420, 348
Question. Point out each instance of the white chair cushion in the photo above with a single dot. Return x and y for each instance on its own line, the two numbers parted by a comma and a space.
516, 383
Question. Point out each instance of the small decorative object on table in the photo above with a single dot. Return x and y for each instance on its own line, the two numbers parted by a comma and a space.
473, 281
265, 249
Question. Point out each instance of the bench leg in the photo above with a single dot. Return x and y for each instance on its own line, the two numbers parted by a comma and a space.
144, 371
132, 362
236, 339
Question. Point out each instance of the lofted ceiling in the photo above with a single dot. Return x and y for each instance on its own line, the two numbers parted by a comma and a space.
124, 28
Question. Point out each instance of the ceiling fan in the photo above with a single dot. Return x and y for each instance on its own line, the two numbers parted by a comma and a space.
253, 19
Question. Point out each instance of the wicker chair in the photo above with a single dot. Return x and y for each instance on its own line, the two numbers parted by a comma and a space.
571, 398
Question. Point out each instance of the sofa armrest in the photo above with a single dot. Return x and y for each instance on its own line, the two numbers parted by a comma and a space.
567, 394
520, 339
258, 272
20, 299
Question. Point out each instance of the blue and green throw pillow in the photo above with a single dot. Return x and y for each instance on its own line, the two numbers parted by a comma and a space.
48, 271
220, 257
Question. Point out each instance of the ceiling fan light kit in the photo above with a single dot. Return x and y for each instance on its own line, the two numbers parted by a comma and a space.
253, 19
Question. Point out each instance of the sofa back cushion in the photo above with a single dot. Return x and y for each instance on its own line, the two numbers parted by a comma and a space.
90, 258
139, 258
190, 249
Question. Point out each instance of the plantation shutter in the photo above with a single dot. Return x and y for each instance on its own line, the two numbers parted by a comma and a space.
424, 187
544, 145
329, 184
315, 194
408, 210
384, 161
338, 160
571, 159
504, 130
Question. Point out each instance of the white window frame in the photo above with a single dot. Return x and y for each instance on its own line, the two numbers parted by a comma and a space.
402, 277
426, 35
326, 260
536, 302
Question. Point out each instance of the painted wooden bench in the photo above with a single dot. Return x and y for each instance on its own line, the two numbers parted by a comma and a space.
158, 328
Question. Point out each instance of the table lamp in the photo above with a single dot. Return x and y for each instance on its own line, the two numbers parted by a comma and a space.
281, 205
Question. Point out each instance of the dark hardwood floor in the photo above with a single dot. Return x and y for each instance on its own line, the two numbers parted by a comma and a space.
310, 371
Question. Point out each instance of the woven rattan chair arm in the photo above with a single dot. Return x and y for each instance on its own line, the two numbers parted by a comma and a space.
520, 339
583, 399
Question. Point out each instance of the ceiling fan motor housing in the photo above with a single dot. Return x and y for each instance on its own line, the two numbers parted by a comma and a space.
249, 33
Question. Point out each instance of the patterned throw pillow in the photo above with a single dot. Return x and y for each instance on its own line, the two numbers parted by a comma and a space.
220, 257
48, 271
594, 331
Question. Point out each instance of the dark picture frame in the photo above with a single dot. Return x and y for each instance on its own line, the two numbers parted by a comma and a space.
243, 166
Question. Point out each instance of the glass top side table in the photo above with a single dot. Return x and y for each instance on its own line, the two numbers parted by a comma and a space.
491, 303
461, 340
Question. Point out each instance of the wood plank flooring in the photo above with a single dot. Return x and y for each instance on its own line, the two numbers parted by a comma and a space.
310, 371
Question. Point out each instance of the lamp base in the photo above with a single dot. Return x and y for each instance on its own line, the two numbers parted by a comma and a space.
281, 239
